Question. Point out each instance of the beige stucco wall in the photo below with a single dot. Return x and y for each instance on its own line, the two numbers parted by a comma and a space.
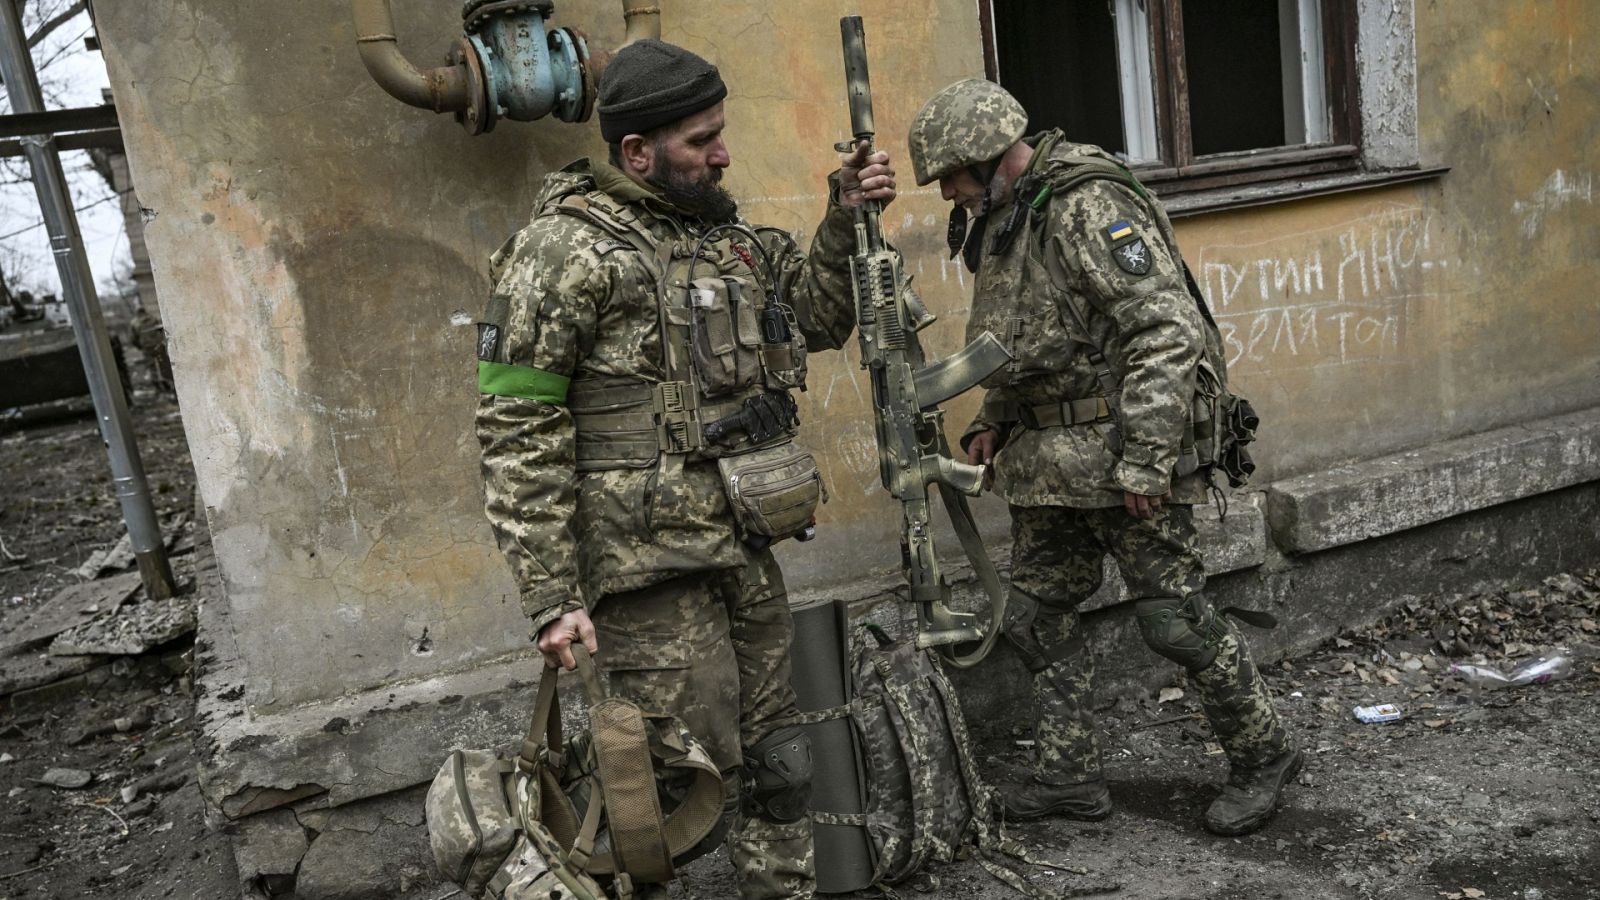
320, 252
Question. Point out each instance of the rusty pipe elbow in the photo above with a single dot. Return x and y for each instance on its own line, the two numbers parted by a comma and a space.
444, 89
643, 20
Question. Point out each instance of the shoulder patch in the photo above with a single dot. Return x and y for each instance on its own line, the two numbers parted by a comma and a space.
488, 341
601, 248
1128, 249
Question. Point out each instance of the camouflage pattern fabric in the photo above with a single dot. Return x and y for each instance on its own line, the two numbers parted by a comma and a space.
690, 621
582, 305
1147, 325
1056, 565
969, 122
714, 649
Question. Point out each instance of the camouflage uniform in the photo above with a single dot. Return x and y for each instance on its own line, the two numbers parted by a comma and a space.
1077, 432
689, 618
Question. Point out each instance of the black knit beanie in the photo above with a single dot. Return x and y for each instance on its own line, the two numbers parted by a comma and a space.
651, 83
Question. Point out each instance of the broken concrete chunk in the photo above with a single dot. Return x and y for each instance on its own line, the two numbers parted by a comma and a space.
115, 558
136, 628
71, 779
71, 606
271, 843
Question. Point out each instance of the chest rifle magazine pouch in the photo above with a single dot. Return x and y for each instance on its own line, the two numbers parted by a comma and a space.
723, 336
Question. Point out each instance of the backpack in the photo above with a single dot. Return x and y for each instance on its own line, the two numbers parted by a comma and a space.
628, 799
1221, 422
917, 788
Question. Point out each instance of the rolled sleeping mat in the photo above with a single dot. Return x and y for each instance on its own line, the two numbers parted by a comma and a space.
820, 674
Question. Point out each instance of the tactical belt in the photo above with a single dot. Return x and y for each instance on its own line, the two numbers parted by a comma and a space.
626, 423
1085, 411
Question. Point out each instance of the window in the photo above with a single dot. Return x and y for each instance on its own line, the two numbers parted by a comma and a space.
1196, 94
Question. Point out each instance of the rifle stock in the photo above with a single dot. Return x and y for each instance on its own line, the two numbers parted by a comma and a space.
913, 453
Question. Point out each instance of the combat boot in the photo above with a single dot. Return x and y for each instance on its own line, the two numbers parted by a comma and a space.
1087, 801
1251, 794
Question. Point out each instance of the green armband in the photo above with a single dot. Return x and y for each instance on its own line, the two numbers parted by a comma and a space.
506, 380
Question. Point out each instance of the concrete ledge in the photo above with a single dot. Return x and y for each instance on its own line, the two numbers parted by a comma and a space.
1319, 595
1390, 494
329, 754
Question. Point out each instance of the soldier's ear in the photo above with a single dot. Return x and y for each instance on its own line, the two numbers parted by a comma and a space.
638, 154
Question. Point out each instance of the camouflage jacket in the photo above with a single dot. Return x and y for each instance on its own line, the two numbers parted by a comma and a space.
580, 304
1107, 251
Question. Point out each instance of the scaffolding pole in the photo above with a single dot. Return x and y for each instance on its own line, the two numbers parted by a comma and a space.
88, 324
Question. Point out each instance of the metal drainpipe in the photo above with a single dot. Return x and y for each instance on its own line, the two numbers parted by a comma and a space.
88, 324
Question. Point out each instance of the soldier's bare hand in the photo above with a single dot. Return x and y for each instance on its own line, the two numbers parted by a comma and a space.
980, 451
555, 639
864, 176
1143, 506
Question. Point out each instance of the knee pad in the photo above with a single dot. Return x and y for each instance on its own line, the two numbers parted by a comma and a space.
777, 777
1185, 630
1034, 630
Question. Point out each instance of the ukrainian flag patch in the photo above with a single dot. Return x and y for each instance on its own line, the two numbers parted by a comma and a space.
1119, 231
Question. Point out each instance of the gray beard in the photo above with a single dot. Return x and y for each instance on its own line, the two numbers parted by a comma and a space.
706, 200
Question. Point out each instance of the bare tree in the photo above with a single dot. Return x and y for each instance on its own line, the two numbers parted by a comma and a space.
56, 30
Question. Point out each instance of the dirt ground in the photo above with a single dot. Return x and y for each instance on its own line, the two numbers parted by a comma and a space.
1471, 795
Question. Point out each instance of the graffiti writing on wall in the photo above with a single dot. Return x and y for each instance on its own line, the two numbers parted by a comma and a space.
1328, 296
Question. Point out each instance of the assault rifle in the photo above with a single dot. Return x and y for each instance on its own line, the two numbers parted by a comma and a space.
913, 453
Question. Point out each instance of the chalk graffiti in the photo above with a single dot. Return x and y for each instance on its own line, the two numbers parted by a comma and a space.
1329, 296
1561, 189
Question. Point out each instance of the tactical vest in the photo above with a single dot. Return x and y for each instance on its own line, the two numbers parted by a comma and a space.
731, 354
1046, 323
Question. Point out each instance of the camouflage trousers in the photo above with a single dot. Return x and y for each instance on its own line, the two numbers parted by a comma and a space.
712, 648
1055, 565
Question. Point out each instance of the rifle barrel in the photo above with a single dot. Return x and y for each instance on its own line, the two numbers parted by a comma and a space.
857, 82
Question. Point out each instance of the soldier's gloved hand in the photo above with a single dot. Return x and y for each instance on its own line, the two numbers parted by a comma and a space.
863, 176
980, 451
1143, 506
555, 639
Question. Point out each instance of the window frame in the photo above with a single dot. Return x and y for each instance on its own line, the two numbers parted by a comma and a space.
1179, 171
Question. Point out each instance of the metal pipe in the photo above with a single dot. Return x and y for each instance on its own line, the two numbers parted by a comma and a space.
643, 18
445, 89
88, 324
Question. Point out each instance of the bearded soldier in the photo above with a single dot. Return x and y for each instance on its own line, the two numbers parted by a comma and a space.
1090, 434
635, 366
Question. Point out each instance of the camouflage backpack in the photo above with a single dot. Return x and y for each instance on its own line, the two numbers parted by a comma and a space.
920, 793
629, 799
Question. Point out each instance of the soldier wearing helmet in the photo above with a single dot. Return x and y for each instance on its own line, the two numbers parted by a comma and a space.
1089, 433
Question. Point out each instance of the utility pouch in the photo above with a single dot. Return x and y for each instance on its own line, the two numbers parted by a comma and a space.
1240, 423
782, 349
774, 491
713, 326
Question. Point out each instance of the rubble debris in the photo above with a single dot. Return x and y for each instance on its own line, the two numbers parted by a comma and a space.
70, 607
115, 558
134, 629
72, 779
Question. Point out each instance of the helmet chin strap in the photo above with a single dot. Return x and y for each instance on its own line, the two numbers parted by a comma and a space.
956, 236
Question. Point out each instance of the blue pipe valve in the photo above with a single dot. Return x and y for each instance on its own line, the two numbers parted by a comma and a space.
519, 71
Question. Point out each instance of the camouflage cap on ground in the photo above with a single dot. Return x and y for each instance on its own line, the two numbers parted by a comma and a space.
971, 121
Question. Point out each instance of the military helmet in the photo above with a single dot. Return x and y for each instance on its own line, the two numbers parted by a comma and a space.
969, 122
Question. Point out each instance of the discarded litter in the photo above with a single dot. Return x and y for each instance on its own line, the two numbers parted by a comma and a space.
1383, 712
1534, 671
